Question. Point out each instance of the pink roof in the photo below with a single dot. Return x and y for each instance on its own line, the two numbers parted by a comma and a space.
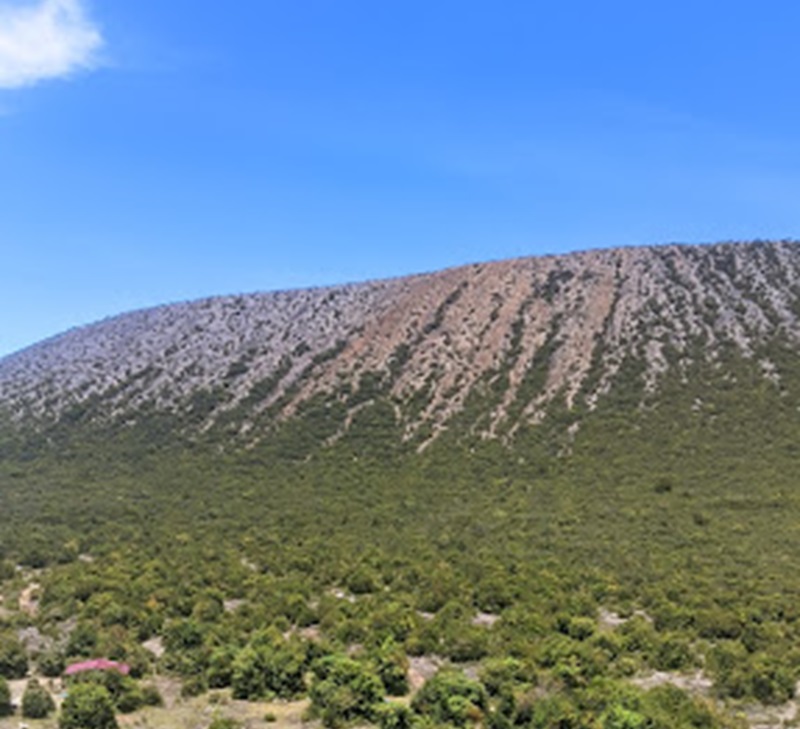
98, 664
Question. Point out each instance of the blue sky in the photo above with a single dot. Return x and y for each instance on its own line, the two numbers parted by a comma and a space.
157, 151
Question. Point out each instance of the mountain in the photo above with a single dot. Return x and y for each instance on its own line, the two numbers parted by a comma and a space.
491, 346
570, 482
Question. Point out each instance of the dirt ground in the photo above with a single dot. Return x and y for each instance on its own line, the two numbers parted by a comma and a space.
178, 713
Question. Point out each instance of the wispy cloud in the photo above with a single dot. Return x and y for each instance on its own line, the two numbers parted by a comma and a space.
45, 40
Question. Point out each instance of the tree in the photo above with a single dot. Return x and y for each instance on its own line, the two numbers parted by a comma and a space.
87, 706
344, 690
36, 701
13, 659
51, 664
220, 667
269, 667
391, 665
6, 707
451, 698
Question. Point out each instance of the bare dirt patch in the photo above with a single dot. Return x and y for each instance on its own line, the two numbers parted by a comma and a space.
29, 600
773, 717
197, 713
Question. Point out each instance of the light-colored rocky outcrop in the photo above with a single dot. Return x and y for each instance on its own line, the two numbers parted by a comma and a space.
443, 334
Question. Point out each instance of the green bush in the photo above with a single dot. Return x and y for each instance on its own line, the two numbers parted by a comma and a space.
151, 696
362, 581
498, 674
220, 667
6, 707
466, 643
82, 641
37, 703
580, 628
13, 659
269, 667
451, 698
739, 674
130, 699
670, 707
87, 706
394, 716
194, 686
344, 690
183, 635
6, 570
51, 664
618, 717
391, 665
673, 654
554, 712
224, 722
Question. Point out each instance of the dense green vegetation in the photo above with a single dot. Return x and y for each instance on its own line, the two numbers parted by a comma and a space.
88, 706
37, 703
295, 569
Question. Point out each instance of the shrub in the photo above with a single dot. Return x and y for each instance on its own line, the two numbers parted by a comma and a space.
362, 581
6, 570
36, 701
344, 690
391, 665
13, 659
82, 641
618, 717
130, 699
151, 696
220, 667
263, 669
194, 686
580, 628
247, 676
499, 673
451, 698
183, 635
554, 711
6, 707
223, 722
87, 706
674, 654
394, 716
669, 706
51, 664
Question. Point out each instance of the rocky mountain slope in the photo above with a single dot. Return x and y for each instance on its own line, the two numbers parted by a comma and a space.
572, 476
530, 331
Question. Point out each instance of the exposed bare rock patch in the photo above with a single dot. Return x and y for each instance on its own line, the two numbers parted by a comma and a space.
697, 683
155, 646
422, 668
29, 599
485, 620
232, 605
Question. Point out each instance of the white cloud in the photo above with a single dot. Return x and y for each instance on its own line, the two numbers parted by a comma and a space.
46, 40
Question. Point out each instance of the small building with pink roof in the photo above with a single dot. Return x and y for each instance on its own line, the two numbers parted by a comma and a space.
97, 664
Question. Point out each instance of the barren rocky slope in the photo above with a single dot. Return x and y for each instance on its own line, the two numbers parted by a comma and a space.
529, 329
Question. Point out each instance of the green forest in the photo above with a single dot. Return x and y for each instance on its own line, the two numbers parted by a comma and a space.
546, 573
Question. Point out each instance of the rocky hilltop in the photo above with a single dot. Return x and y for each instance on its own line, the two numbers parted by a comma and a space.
529, 331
